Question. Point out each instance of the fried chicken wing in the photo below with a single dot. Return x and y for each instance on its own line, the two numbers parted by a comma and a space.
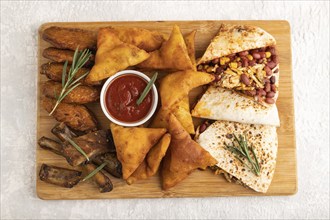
59, 55
70, 38
80, 95
53, 71
77, 117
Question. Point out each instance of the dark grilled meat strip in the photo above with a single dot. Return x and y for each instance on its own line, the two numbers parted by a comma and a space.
59, 55
104, 183
53, 71
93, 144
80, 95
70, 38
77, 117
113, 166
51, 145
59, 176
62, 131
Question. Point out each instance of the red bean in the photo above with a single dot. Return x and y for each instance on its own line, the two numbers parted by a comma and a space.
271, 64
202, 128
262, 54
243, 53
245, 62
267, 87
272, 50
215, 61
272, 80
270, 94
260, 61
273, 87
252, 62
275, 59
239, 64
266, 80
269, 100
245, 79
276, 71
256, 55
263, 49
261, 92
217, 78
268, 71
251, 92
219, 70
254, 51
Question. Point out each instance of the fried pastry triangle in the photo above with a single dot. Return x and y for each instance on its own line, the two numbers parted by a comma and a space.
183, 156
113, 55
190, 43
133, 144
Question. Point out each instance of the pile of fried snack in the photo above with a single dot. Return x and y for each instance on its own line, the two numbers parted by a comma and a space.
166, 144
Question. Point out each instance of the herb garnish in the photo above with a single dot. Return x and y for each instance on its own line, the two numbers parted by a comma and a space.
243, 150
77, 148
68, 82
147, 89
95, 171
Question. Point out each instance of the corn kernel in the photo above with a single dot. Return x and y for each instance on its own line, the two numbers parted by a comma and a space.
268, 54
233, 65
206, 66
200, 67
222, 61
238, 59
227, 59
209, 69
250, 57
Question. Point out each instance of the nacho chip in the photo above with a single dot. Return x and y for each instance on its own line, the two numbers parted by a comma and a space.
173, 55
113, 55
151, 163
190, 43
133, 144
142, 38
181, 111
176, 86
183, 156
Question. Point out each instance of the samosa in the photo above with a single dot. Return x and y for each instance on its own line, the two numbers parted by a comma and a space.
113, 55
183, 156
173, 54
133, 144
190, 43
151, 163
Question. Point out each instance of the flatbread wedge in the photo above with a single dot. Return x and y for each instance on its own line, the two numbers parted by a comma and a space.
183, 156
113, 55
133, 144
173, 54
236, 38
151, 163
221, 104
263, 139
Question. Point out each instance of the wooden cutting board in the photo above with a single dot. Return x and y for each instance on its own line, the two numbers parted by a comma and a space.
199, 183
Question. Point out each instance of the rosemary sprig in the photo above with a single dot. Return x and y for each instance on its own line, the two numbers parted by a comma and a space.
68, 82
147, 89
95, 171
78, 148
241, 149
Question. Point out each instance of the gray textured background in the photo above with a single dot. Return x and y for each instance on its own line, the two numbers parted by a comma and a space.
310, 45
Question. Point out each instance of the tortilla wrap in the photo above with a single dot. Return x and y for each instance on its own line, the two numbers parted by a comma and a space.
221, 104
236, 38
263, 138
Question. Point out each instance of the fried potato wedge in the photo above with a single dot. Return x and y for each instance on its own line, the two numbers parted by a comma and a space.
80, 95
180, 110
176, 86
70, 38
133, 144
173, 54
190, 43
140, 37
59, 55
183, 156
113, 55
75, 116
53, 71
151, 163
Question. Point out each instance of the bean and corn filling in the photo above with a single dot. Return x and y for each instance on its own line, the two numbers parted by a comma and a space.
249, 72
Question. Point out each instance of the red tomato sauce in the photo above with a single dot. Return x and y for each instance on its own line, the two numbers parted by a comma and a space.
121, 97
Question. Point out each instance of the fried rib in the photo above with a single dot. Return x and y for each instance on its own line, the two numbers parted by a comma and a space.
70, 38
59, 176
61, 131
77, 117
80, 95
59, 55
104, 183
113, 166
53, 71
93, 144
51, 145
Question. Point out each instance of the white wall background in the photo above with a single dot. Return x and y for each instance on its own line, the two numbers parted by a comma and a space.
310, 44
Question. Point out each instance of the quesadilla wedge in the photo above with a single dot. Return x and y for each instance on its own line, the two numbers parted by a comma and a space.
244, 59
259, 142
222, 104
133, 144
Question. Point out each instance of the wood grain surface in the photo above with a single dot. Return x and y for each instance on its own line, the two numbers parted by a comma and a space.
199, 183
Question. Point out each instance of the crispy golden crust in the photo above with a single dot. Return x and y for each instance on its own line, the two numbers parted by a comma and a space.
77, 117
53, 71
80, 95
70, 38
60, 56
190, 43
